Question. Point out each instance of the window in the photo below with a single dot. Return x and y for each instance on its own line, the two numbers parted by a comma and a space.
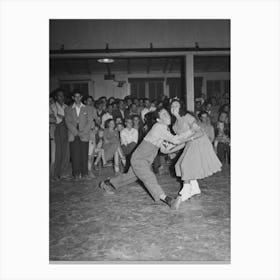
151, 88
137, 90
155, 90
174, 87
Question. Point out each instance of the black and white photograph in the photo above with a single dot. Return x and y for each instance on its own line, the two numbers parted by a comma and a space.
139, 133
139, 140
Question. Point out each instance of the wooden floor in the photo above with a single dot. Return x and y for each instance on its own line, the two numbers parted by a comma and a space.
88, 225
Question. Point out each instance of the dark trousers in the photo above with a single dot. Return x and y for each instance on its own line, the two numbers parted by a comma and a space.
79, 157
223, 152
61, 150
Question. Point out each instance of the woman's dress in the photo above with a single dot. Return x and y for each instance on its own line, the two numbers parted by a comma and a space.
198, 159
111, 144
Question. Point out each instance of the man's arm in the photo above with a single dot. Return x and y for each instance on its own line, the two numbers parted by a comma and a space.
69, 125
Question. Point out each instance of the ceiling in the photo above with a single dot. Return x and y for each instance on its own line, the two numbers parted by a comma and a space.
88, 66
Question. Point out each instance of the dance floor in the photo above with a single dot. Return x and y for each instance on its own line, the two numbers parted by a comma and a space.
88, 225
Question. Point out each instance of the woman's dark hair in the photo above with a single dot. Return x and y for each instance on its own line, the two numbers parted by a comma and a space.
182, 111
106, 125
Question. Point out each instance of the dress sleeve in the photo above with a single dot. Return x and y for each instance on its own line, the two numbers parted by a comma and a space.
192, 122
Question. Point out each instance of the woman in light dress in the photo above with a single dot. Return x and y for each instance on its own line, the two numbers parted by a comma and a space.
198, 159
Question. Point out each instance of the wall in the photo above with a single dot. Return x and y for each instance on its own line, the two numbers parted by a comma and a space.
94, 34
99, 87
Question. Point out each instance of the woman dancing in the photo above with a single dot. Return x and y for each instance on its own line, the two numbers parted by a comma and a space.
198, 160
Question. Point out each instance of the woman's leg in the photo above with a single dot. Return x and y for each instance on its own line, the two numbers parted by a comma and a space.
185, 192
194, 187
103, 156
99, 155
116, 161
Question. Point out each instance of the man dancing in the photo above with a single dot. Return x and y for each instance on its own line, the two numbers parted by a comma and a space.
143, 157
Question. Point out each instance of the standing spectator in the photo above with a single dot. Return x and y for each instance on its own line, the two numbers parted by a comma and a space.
52, 122
99, 112
132, 110
205, 124
140, 107
60, 136
79, 121
148, 108
215, 110
222, 140
120, 111
108, 115
90, 103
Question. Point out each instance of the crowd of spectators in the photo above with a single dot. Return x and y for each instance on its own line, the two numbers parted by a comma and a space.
91, 134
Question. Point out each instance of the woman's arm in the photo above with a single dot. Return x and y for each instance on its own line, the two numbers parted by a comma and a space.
165, 150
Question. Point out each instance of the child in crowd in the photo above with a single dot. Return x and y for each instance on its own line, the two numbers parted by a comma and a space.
99, 151
92, 147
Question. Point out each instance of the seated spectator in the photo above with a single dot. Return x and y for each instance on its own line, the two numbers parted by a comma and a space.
119, 127
138, 125
111, 145
222, 139
107, 116
205, 124
129, 137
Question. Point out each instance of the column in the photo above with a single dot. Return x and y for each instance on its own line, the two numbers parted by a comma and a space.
190, 82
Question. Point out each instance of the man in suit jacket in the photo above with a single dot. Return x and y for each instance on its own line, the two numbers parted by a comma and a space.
120, 111
79, 119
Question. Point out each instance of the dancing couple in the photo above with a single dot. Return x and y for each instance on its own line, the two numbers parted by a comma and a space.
197, 161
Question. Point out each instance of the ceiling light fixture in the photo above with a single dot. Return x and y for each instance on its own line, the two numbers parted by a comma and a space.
105, 60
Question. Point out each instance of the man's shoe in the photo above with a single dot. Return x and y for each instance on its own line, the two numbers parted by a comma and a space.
168, 200
106, 186
175, 203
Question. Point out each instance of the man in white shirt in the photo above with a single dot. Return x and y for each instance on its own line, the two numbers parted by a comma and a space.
148, 108
60, 137
129, 138
79, 120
